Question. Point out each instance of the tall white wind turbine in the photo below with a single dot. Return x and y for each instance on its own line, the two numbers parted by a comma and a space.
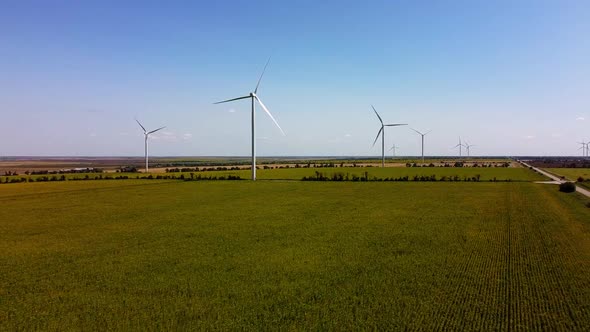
147, 134
382, 133
254, 97
422, 134
460, 146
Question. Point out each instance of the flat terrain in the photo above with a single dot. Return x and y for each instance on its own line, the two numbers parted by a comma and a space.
144, 255
158, 164
571, 173
485, 174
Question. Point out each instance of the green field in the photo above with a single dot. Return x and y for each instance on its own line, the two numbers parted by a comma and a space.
571, 173
153, 255
487, 174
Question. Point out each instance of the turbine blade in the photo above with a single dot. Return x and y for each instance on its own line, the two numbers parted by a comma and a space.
378, 133
268, 112
377, 114
153, 131
260, 79
395, 124
139, 123
416, 131
227, 101
428, 132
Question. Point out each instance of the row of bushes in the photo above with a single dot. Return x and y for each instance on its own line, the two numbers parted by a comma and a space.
54, 178
235, 168
190, 177
319, 176
459, 164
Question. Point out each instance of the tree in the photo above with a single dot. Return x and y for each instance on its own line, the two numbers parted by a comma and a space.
567, 187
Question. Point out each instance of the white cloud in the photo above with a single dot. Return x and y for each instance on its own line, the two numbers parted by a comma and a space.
93, 135
580, 118
347, 135
555, 135
529, 137
187, 136
231, 110
164, 136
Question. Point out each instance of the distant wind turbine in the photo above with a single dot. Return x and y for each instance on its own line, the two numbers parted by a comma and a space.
393, 148
468, 147
584, 148
460, 145
382, 133
254, 97
147, 134
422, 134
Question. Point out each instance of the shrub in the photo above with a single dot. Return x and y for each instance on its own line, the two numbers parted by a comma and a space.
580, 179
567, 187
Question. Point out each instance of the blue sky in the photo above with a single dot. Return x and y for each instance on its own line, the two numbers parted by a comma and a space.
511, 77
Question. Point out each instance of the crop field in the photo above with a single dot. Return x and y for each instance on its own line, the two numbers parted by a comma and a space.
144, 255
486, 174
571, 173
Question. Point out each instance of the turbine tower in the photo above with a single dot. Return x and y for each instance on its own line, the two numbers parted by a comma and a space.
147, 134
382, 133
460, 145
254, 97
422, 134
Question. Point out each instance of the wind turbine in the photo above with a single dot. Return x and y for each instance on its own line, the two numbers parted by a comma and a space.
147, 134
584, 148
254, 97
460, 145
468, 147
382, 133
393, 148
422, 134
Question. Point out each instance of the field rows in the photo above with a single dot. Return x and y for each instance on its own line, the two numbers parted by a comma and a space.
293, 255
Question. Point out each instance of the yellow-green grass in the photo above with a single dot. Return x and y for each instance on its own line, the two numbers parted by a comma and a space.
571, 173
227, 255
486, 174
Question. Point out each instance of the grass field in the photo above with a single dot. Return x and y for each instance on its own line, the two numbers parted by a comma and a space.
571, 173
500, 174
149, 255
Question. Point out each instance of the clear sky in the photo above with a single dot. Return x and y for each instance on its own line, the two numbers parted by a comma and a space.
511, 77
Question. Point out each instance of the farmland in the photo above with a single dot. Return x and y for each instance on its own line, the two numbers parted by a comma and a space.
484, 174
141, 254
571, 173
